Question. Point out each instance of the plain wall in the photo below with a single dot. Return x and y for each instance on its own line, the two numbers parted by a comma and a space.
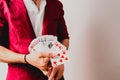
94, 27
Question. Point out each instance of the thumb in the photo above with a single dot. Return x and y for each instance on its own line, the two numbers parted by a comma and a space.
48, 55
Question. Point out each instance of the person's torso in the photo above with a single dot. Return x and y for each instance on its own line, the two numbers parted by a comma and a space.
21, 34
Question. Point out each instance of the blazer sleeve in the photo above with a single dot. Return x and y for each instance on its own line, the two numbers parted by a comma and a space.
3, 28
62, 28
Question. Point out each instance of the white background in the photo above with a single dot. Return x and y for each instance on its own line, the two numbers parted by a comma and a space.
94, 27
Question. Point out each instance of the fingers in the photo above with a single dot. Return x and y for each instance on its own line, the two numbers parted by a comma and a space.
41, 60
57, 72
45, 72
45, 61
59, 75
46, 66
53, 73
48, 55
50, 70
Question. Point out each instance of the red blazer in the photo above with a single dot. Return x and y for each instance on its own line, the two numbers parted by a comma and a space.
16, 33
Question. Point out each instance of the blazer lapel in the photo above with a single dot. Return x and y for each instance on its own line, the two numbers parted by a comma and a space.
50, 19
20, 13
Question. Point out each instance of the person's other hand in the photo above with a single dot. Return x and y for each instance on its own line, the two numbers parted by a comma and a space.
57, 72
41, 60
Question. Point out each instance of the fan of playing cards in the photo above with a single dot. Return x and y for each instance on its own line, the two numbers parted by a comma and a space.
49, 43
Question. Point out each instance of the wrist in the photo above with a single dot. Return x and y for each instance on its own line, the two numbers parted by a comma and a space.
20, 58
25, 59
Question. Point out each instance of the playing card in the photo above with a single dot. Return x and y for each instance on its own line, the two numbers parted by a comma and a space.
49, 43
60, 58
59, 45
61, 54
45, 41
47, 38
32, 44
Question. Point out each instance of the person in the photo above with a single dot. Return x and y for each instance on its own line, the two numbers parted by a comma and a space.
20, 22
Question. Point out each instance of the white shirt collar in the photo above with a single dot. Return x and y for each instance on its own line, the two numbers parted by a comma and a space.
33, 7
36, 16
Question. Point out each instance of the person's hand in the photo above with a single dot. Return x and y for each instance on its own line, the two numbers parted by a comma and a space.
57, 72
41, 60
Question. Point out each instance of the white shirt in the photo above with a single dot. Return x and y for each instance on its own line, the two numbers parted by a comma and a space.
36, 16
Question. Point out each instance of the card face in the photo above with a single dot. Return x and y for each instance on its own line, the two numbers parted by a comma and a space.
49, 43
42, 43
61, 54
47, 38
60, 58
33, 44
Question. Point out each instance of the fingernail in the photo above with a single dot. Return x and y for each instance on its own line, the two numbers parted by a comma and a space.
52, 55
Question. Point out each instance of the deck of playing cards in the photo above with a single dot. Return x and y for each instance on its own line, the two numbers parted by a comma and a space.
49, 43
